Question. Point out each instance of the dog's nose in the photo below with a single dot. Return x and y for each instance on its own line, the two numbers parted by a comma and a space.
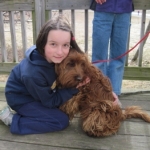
78, 78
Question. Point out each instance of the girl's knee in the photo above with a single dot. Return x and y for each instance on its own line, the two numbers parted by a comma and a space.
64, 121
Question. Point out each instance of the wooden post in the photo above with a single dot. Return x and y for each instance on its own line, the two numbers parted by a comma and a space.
141, 35
137, 52
36, 19
13, 36
2, 39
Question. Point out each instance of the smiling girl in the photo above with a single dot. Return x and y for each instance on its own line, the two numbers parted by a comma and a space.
30, 90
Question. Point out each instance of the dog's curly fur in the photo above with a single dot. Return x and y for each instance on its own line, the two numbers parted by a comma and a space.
94, 102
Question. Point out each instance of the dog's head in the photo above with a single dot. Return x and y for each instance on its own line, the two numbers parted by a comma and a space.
75, 68
72, 70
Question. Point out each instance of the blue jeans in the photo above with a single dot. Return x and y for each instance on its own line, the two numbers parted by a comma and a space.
34, 118
113, 29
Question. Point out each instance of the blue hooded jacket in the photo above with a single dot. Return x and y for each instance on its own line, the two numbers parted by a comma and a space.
33, 79
113, 6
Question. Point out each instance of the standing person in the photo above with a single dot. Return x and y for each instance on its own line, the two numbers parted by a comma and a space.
111, 25
30, 89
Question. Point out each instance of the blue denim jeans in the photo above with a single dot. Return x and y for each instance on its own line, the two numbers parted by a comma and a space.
110, 37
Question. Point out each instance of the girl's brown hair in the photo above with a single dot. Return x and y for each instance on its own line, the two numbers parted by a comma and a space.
57, 23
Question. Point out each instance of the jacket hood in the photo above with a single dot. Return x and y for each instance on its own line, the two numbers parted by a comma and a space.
36, 58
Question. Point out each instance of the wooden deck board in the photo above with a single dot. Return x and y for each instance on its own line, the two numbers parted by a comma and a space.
5, 145
74, 138
134, 134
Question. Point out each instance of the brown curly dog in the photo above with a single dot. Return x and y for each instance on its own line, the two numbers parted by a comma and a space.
94, 102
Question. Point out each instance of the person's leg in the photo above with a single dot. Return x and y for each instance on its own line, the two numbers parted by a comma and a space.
102, 24
34, 118
118, 46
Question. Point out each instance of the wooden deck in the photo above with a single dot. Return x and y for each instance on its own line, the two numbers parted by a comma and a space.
134, 134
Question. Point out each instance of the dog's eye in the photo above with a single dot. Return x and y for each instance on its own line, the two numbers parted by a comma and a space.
83, 65
71, 64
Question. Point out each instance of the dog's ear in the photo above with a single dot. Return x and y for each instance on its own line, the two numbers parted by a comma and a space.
106, 83
93, 71
88, 66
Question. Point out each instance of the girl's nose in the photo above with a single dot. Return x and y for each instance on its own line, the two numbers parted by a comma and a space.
60, 50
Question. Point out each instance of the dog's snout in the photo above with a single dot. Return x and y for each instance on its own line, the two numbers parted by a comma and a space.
78, 78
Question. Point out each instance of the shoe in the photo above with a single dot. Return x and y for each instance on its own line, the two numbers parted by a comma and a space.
6, 115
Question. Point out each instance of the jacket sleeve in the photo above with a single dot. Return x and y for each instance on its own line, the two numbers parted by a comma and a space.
51, 98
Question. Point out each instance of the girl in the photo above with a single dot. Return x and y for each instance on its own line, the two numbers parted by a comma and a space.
30, 89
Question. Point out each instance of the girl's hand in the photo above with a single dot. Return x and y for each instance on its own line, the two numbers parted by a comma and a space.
116, 101
100, 1
87, 80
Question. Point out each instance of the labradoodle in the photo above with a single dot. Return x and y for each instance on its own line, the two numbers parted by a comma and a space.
94, 102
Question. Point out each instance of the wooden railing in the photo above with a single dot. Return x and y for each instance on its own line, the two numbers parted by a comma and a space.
21, 21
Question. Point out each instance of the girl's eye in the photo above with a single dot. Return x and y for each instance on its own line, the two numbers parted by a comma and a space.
66, 45
52, 44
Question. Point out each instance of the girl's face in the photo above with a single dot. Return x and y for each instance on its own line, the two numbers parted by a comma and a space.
57, 46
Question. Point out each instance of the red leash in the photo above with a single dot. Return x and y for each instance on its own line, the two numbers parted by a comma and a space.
94, 62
